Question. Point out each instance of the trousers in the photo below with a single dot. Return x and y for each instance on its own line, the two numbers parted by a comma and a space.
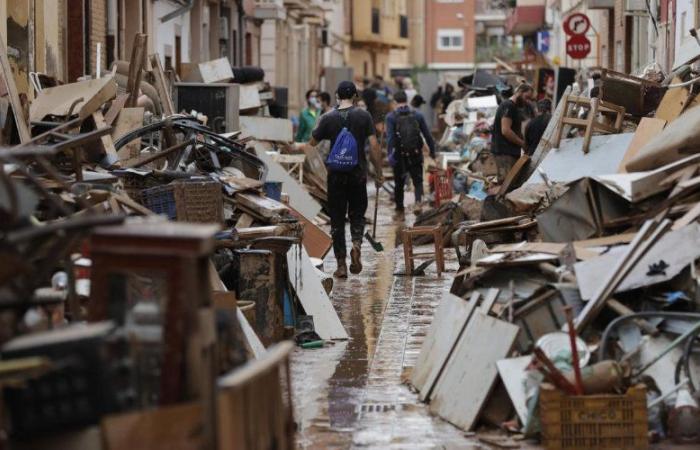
415, 171
347, 194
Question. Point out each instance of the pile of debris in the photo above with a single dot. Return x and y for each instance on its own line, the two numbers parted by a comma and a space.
575, 314
152, 266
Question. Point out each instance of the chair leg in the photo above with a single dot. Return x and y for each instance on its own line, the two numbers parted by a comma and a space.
439, 251
560, 128
592, 113
407, 239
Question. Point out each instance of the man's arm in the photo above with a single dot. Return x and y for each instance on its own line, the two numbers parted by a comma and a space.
509, 134
390, 133
426, 134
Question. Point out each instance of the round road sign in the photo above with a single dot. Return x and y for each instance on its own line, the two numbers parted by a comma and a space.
578, 46
576, 23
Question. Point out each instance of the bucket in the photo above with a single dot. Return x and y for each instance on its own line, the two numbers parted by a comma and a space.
273, 189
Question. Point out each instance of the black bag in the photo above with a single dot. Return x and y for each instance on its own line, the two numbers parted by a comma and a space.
409, 140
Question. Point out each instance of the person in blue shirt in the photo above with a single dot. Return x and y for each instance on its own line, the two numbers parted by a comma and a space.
406, 132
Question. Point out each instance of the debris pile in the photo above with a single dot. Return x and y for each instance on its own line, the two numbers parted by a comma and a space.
153, 265
578, 277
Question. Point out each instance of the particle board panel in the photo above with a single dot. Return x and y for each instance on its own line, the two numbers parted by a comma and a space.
312, 295
470, 372
647, 129
512, 373
316, 241
448, 323
267, 128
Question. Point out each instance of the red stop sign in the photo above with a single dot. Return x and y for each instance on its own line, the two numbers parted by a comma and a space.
578, 46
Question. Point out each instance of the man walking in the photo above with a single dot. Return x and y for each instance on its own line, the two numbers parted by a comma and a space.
350, 127
405, 130
507, 132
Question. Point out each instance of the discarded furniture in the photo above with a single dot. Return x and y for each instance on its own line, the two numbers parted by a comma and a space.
407, 236
187, 201
591, 123
441, 181
638, 96
293, 163
255, 403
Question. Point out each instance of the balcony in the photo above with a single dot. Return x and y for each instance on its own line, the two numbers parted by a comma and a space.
526, 18
270, 9
491, 11
372, 26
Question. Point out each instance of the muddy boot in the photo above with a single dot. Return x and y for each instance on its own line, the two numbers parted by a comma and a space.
418, 209
399, 214
356, 258
342, 270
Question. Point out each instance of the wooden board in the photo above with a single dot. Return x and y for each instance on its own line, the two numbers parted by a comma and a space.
513, 174
316, 241
266, 128
512, 373
470, 372
216, 71
106, 140
312, 295
262, 206
62, 100
13, 94
162, 86
647, 129
249, 96
176, 427
451, 316
128, 120
299, 197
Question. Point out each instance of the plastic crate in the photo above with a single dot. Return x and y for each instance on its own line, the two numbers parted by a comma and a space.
594, 422
186, 201
442, 185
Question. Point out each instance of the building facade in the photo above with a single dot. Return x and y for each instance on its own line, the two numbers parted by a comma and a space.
450, 34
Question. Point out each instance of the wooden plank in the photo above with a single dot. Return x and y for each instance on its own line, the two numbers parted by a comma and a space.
82, 98
614, 239
264, 207
174, 427
648, 128
249, 96
266, 128
128, 120
312, 295
13, 95
672, 103
216, 71
449, 320
316, 241
299, 197
138, 58
115, 108
161, 86
513, 174
512, 373
687, 218
244, 221
470, 372
445, 345
106, 139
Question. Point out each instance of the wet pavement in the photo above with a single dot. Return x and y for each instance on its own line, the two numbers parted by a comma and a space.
351, 393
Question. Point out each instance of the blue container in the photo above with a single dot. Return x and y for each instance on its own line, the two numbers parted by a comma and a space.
273, 189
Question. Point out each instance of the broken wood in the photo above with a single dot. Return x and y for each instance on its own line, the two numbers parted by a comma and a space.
138, 57
162, 86
106, 140
13, 94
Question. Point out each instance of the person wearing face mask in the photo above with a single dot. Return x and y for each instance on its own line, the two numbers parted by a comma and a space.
507, 130
308, 116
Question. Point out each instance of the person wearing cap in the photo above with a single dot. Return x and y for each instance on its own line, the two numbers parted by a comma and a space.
507, 140
417, 101
347, 191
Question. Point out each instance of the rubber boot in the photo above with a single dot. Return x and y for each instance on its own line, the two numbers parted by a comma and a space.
356, 258
342, 270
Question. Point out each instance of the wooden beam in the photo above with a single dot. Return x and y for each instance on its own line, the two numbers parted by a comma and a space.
161, 86
138, 56
13, 95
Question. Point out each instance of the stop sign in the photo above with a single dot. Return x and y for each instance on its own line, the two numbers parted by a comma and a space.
578, 46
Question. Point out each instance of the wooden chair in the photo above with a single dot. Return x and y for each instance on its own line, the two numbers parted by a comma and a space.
407, 235
590, 124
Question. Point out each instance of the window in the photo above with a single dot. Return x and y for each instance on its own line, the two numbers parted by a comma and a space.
375, 20
451, 39
403, 26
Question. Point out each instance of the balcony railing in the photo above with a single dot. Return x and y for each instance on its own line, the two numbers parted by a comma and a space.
488, 52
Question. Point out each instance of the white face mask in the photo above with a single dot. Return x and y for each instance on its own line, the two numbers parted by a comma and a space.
313, 101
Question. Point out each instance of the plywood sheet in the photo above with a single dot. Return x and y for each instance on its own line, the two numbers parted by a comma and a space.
128, 120
512, 373
316, 241
647, 129
299, 197
266, 128
249, 96
312, 295
216, 71
61, 100
470, 373
449, 321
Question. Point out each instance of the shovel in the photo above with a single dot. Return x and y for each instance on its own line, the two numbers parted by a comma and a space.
377, 246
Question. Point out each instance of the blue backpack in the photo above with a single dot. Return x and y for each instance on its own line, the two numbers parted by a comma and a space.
343, 157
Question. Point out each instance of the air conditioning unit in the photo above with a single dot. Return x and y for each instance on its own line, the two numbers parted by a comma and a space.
635, 5
218, 101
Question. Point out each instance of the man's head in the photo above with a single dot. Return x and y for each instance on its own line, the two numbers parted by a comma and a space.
346, 90
417, 101
400, 97
544, 106
325, 98
523, 93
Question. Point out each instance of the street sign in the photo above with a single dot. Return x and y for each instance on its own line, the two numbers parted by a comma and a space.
577, 24
578, 46
543, 41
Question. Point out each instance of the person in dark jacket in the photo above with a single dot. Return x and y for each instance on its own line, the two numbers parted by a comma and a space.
535, 127
406, 132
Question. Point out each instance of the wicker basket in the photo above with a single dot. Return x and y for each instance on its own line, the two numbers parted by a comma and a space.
594, 422
187, 201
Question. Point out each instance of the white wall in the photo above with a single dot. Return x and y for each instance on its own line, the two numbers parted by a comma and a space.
164, 36
685, 19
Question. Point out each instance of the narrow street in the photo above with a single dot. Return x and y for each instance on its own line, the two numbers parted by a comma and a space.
351, 393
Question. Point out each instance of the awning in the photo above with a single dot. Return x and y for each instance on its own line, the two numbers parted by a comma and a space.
524, 20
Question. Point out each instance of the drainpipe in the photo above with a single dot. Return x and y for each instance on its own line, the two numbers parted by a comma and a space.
186, 5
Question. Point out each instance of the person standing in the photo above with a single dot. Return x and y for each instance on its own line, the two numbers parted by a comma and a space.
535, 127
507, 130
308, 116
325, 98
348, 128
406, 131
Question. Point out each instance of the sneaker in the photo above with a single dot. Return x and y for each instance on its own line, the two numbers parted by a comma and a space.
342, 270
356, 258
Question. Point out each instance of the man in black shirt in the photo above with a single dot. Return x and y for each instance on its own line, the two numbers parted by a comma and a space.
507, 132
535, 128
347, 191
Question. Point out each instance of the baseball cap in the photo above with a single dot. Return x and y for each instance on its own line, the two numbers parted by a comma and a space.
418, 100
346, 90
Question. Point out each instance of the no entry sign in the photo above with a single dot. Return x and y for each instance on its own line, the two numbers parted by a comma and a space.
578, 46
577, 24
